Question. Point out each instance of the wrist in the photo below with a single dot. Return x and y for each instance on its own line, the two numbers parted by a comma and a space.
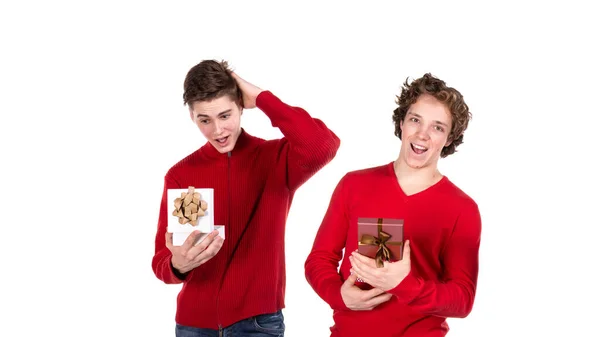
180, 273
258, 97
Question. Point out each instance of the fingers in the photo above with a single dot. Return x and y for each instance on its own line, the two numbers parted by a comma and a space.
364, 259
193, 252
368, 299
406, 251
377, 300
186, 260
169, 240
214, 246
363, 266
238, 79
210, 251
358, 267
190, 241
371, 293
368, 274
350, 280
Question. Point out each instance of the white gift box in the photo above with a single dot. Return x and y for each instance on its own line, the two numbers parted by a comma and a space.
205, 223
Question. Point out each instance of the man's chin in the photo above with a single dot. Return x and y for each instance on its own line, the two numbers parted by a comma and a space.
222, 149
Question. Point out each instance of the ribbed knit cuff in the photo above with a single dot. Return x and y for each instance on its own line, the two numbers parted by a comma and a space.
408, 289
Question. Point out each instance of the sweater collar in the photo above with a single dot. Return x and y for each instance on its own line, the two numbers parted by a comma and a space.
243, 142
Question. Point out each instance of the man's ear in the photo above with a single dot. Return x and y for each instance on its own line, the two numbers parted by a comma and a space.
450, 140
191, 113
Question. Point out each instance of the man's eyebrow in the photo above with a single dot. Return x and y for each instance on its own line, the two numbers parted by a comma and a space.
220, 113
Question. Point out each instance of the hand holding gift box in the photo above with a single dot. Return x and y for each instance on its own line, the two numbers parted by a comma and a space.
380, 241
192, 253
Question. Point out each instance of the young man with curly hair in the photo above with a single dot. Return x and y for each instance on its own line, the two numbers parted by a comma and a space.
437, 275
236, 286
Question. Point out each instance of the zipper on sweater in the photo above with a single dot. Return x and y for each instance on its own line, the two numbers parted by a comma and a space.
226, 225
228, 188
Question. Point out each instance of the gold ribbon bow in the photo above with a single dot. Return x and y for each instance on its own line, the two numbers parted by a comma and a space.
383, 253
190, 207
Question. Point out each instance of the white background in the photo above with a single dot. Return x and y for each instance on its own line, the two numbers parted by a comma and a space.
92, 118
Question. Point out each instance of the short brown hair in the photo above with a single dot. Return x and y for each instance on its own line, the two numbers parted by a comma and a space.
451, 97
210, 80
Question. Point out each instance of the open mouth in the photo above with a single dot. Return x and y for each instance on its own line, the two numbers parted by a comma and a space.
222, 141
418, 149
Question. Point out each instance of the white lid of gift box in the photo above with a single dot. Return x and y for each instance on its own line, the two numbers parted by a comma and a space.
205, 222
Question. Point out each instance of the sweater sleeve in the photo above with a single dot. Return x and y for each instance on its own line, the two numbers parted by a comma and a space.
321, 266
161, 262
454, 294
311, 145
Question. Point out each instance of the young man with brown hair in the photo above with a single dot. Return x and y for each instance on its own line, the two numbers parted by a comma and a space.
437, 275
236, 286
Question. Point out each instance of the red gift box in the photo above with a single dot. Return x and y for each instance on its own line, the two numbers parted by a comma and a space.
381, 239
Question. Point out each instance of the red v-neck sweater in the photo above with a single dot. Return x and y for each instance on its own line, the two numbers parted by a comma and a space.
443, 225
253, 189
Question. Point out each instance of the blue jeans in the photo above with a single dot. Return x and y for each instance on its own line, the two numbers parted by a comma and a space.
267, 325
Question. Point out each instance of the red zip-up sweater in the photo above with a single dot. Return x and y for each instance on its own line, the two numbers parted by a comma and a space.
443, 225
253, 186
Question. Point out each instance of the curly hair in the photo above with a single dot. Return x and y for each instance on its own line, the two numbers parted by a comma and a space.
210, 80
451, 97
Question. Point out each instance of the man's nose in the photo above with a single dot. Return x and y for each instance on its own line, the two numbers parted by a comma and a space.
423, 132
218, 128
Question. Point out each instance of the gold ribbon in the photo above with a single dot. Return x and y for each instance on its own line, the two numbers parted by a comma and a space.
383, 253
190, 207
